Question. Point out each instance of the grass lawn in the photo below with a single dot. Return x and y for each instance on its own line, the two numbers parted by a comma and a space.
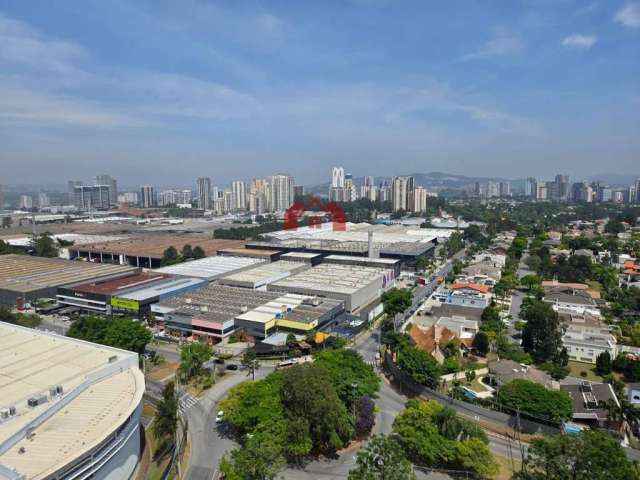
157, 466
162, 371
507, 469
594, 288
577, 367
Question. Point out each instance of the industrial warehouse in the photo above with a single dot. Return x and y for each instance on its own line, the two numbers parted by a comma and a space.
146, 251
212, 268
405, 244
356, 286
28, 278
262, 275
132, 295
70, 409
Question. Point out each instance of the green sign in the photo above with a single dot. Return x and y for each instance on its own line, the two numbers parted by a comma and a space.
125, 304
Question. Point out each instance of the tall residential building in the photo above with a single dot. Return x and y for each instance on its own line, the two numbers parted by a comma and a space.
257, 202
541, 190
43, 200
402, 193
204, 193
530, 186
174, 197
71, 190
239, 192
419, 200
337, 177
25, 202
493, 189
147, 197
384, 192
110, 182
227, 200
298, 191
92, 197
281, 192
128, 197
561, 187
505, 189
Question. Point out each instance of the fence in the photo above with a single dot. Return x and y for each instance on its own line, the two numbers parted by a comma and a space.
514, 420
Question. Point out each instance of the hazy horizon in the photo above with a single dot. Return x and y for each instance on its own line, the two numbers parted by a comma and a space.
161, 93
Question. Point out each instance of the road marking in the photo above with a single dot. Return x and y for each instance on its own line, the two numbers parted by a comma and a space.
185, 402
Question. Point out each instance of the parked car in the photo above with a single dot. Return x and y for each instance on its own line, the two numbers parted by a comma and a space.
220, 416
232, 366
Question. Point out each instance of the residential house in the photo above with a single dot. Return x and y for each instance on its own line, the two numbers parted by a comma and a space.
588, 399
502, 372
571, 300
434, 339
464, 294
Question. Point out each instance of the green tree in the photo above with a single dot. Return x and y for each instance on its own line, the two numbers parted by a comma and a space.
250, 361
603, 364
170, 256
350, 375
589, 455
316, 417
187, 252
44, 245
535, 399
122, 333
396, 300
382, 458
192, 357
530, 281
254, 461
481, 343
198, 252
542, 335
166, 418
421, 366
435, 436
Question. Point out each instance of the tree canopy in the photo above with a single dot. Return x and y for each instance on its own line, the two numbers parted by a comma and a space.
382, 458
589, 455
536, 400
542, 336
396, 300
122, 333
435, 436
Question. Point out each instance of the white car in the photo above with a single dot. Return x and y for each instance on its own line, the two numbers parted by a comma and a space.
220, 416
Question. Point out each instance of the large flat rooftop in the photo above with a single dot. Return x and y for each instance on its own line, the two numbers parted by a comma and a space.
211, 267
119, 285
24, 273
263, 274
218, 303
107, 381
154, 245
346, 279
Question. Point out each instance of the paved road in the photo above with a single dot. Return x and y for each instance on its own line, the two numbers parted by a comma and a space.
209, 441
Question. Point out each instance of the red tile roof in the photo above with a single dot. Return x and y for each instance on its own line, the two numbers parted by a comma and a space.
473, 286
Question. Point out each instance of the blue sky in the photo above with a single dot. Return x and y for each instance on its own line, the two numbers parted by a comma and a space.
164, 91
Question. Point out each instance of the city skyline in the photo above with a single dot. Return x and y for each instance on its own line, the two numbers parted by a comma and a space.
224, 89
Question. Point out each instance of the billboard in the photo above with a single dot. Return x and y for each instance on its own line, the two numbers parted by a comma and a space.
125, 304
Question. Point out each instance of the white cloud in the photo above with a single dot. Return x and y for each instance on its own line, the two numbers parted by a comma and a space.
22, 107
500, 45
579, 42
629, 15
20, 45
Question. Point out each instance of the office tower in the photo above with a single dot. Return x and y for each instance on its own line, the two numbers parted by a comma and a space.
43, 200
505, 189
71, 190
481, 190
110, 182
147, 197
337, 177
91, 197
281, 187
298, 191
419, 203
530, 187
402, 193
384, 192
561, 187
605, 194
26, 202
204, 193
239, 192
541, 190
128, 197
493, 189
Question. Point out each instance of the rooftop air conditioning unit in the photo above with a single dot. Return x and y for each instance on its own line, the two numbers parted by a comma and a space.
244, 309
4, 413
37, 400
